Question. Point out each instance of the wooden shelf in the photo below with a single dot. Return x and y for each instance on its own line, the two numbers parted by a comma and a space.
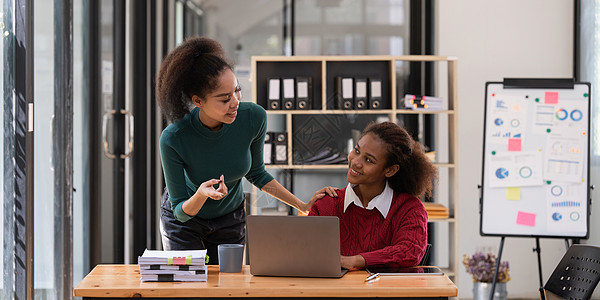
449, 220
415, 58
334, 167
308, 167
324, 70
360, 112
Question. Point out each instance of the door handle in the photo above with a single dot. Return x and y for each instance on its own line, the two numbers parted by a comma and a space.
52, 142
107, 114
110, 114
129, 116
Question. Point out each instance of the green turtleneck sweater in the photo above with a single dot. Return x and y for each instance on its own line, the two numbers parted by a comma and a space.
192, 154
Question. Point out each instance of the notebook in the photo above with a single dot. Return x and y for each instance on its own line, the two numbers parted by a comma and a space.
294, 246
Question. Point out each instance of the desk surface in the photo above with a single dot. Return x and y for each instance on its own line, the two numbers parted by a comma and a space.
124, 281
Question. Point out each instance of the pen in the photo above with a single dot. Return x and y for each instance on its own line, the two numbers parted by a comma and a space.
372, 276
216, 185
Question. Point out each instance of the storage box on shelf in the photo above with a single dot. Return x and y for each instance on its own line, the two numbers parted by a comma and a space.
365, 86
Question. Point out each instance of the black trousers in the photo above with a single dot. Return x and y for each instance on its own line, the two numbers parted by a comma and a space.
198, 233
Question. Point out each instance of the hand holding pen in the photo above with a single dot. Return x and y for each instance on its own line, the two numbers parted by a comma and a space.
214, 188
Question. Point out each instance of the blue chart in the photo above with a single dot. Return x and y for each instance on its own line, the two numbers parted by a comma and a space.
501, 173
556, 216
501, 104
525, 172
561, 114
566, 204
576, 115
556, 190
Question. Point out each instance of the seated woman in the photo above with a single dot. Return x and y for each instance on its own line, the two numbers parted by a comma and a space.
382, 220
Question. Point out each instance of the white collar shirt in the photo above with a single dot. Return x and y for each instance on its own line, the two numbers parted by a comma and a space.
382, 202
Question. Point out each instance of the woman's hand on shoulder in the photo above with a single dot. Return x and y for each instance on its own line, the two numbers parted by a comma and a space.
208, 190
328, 190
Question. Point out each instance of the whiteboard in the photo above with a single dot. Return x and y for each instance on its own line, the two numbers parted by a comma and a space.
535, 175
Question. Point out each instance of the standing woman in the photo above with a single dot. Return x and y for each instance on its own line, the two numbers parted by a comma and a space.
212, 142
382, 220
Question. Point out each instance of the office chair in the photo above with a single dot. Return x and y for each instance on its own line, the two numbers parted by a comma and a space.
426, 255
576, 275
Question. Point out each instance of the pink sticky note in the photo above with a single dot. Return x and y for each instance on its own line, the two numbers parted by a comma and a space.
551, 98
527, 219
514, 144
179, 260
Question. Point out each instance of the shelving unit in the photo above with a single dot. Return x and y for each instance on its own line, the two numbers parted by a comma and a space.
323, 70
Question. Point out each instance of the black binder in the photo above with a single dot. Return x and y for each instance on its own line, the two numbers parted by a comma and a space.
304, 93
268, 150
360, 93
274, 93
375, 93
344, 90
289, 99
280, 143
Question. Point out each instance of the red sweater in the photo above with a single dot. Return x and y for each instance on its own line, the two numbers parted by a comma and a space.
398, 240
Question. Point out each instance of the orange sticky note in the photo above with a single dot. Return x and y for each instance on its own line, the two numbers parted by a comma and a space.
514, 144
527, 219
551, 98
513, 193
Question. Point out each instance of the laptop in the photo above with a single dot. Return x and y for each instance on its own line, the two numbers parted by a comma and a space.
294, 246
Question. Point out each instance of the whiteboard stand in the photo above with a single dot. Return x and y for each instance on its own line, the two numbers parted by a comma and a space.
537, 249
535, 175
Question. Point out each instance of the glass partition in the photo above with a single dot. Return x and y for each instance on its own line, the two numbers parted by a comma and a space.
81, 158
3, 58
44, 212
351, 27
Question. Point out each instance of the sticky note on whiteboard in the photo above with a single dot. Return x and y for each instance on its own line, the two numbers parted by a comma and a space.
525, 218
551, 98
514, 144
513, 193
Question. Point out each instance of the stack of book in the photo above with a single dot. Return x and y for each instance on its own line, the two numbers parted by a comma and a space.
435, 210
422, 102
182, 265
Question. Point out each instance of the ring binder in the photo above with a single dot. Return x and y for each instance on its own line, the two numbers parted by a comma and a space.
344, 88
304, 93
274, 93
360, 93
289, 98
374, 93
268, 150
280, 148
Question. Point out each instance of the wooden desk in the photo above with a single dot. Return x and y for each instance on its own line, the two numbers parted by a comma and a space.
123, 281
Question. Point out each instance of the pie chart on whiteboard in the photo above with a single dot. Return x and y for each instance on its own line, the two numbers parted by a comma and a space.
501, 173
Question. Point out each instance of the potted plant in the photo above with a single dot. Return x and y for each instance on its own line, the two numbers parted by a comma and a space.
482, 266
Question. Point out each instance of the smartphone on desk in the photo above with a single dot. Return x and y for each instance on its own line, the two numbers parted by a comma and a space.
418, 270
